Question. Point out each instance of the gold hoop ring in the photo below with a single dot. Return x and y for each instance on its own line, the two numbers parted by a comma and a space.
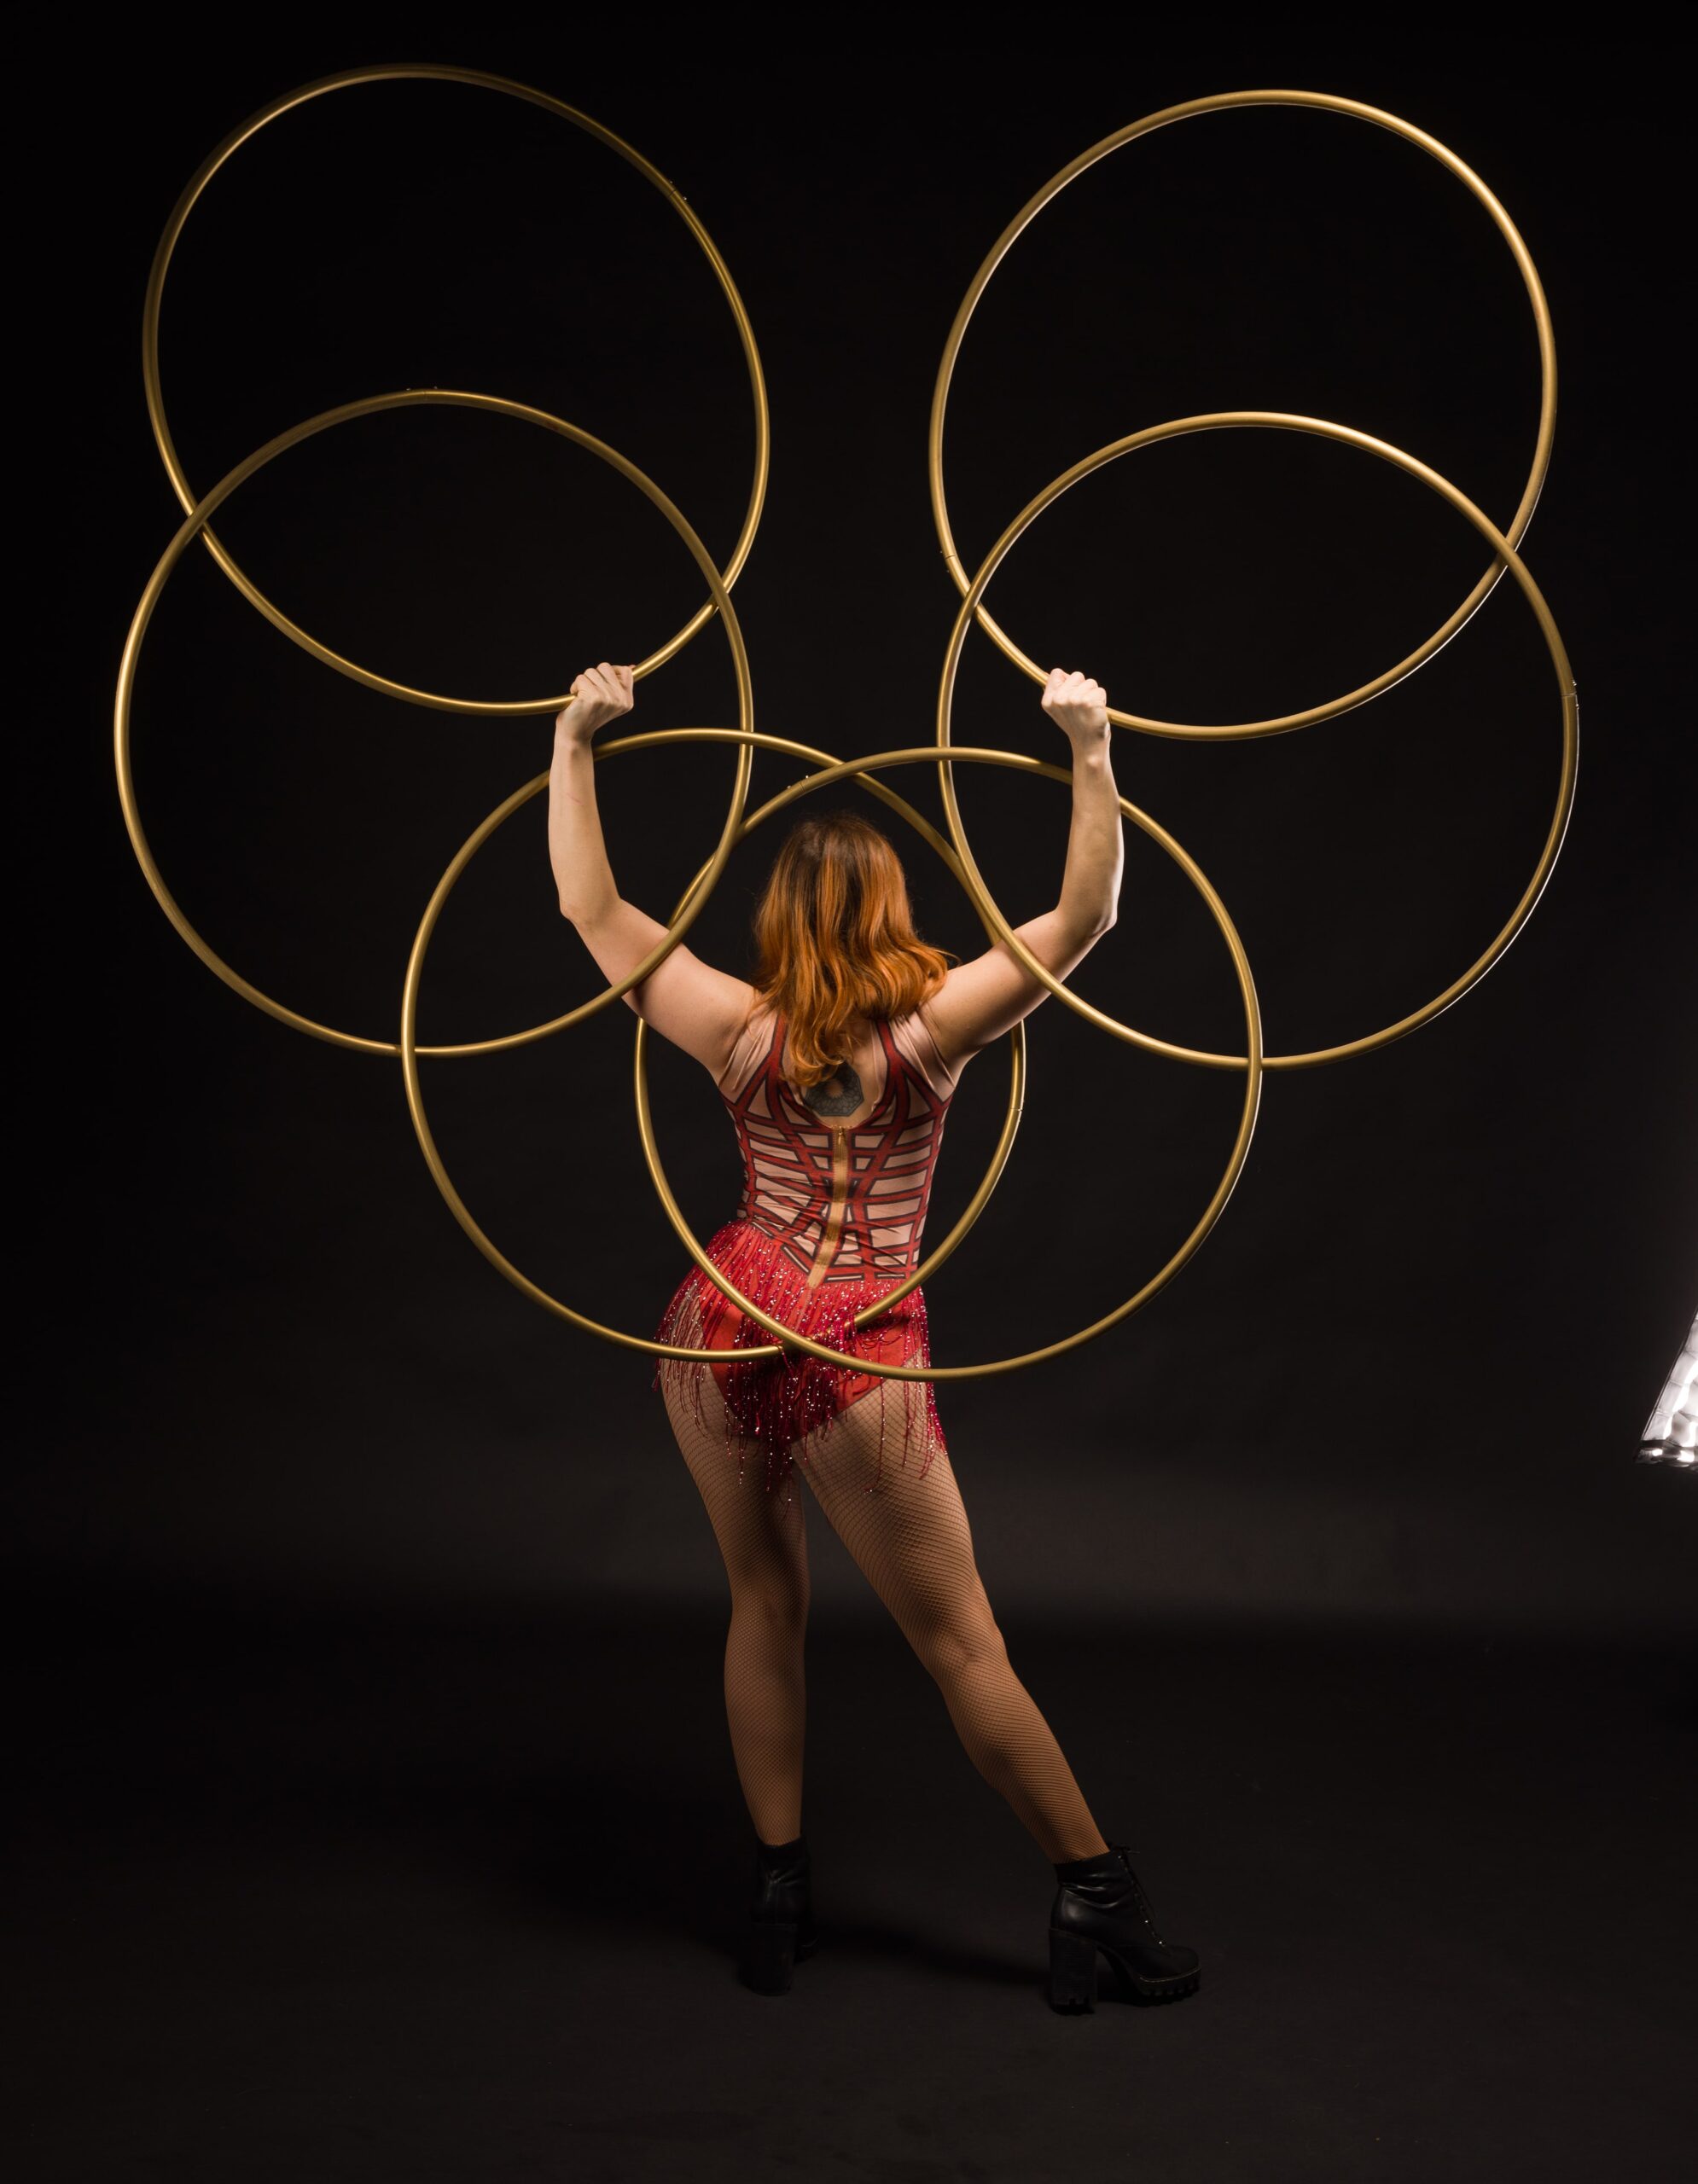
698, 888
250, 591
1225, 102
1229, 419
788, 1337
194, 524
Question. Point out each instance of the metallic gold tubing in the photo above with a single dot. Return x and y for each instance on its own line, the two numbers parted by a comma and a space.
827, 770
1224, 102
690, 904
195, 525
788, 1337
344, 79
1232, 420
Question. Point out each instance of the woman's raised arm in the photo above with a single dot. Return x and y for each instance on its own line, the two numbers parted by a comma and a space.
685, 1000
988, 995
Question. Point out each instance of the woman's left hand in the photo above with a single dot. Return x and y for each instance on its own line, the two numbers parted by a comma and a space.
1079, 707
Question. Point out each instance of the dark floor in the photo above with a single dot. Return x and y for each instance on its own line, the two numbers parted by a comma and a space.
307, 1897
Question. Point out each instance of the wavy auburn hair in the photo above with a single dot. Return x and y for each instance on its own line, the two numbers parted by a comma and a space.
836, 940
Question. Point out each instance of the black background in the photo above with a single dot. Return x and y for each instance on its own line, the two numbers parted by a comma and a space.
329, 1544
1408, 1370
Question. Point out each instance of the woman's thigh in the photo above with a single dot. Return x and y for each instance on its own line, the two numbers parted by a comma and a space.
762, 1535
908, 1533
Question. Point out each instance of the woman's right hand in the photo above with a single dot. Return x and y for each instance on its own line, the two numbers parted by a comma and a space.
1078, 705
598, 695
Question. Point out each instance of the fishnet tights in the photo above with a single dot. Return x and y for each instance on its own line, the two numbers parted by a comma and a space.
911, 1540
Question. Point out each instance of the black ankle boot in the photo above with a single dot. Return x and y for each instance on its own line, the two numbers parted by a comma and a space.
781, 1923
1101, 1905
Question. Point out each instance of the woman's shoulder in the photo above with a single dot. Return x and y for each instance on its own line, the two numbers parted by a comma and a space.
749, 1049
912, 1037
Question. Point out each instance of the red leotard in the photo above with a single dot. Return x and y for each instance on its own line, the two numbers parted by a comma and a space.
830, 1220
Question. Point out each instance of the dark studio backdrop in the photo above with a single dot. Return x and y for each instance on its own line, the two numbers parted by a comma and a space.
376, 1813
1404, 1376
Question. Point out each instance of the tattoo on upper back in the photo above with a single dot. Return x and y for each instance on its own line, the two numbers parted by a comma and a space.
843, 1100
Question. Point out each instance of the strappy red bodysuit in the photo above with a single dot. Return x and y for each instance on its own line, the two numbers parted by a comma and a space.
830, 1220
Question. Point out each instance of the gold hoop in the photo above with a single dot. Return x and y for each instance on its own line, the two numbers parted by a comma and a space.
690, 904
250, 591
789, 1337
194, 525
1224, 102
1276, 421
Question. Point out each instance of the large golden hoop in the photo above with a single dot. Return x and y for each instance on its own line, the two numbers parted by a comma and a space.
1224, 102
344, 79
192, 528
1276, 421
691, 901
788, 1337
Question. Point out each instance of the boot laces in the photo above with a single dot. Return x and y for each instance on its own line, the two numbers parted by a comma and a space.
1141, 1901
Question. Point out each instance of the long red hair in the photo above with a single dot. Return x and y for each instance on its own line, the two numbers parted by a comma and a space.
836, 941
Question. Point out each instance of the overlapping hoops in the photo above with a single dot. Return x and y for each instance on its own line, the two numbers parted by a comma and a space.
344, 80
1276, 420
824, 769
1226, 103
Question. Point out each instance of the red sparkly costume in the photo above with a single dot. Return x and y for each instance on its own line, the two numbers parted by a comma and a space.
830, 1221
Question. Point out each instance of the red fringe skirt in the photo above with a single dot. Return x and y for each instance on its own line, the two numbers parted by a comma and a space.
775, 1402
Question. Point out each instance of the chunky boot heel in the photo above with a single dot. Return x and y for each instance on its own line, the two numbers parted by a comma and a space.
781, 1926
1072, 1971
769, 1956
1101, 1904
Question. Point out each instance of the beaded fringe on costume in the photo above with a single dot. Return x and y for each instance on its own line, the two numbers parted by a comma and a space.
776, 1401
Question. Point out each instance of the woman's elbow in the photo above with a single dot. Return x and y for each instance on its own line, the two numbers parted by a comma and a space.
1083, 928
584, 911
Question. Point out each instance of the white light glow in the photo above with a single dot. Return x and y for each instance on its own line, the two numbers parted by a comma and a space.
1671, 1434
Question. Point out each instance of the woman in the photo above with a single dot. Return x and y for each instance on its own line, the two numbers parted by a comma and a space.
838, 1062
